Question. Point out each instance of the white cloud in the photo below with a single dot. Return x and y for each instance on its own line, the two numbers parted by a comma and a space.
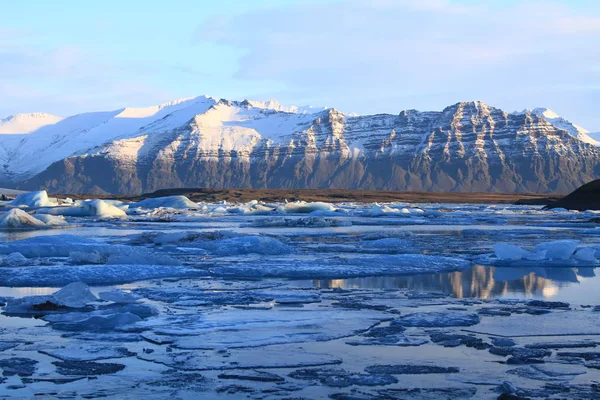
367, 56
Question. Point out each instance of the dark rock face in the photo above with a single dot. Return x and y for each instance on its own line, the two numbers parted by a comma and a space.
467, 147
586, 197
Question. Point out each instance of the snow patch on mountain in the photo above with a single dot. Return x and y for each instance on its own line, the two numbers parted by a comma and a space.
561, 123
27, 123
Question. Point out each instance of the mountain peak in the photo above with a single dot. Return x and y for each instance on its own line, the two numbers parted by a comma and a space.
32, 115
27, 122
475, 105
544, 112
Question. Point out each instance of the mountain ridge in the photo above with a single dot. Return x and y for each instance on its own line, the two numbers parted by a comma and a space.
205, 142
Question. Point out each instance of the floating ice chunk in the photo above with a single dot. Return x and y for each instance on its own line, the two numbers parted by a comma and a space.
505, 251
173, 238
585, 254
558, 250
292, 297
246, 245
437, 319
305, 222
74, 295
246, 359
302, 207
49, 246
378, 211
102, 209
80, 257
119, 297
176, 202
99, 323
16, 259
337, 268
88, 208
51, 220
87, 352
44, 276
536, 256
19, 219
240, 328
87, 251
128, 255
33, 199
251, 209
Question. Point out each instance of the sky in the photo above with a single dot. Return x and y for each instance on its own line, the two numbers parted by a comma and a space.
378, 56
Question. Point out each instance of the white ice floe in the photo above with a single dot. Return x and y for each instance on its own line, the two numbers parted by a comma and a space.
86, 251
33, 199
88, 208
337, 268
558, 249
252, 208
16, 259
507, 251
245, 245
234, 328
19, 219
119, 297
302, 207
52, 220
556, 253
175, 202
74, 295
585, 254
379, 211
59, 275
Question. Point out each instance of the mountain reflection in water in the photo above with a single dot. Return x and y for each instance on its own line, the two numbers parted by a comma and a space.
478, 281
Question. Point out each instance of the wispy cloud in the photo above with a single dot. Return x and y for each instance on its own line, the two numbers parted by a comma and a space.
354, 53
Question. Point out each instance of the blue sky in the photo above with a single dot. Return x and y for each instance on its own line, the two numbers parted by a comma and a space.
66, 56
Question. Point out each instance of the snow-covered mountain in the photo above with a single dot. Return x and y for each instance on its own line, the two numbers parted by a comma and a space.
26, 123
561, 123
205, 142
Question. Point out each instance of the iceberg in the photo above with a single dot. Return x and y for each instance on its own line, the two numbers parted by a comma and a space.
88, 208
175, 202
119, 297
558, 249
33, 199
51, 220
19, 219
302, 207
16, 259
563, 253
74, 295
505, 251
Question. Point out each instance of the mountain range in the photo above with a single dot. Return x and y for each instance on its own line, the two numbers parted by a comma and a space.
207, 142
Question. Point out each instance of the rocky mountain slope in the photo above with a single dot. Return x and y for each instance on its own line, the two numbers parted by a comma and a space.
204, 142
